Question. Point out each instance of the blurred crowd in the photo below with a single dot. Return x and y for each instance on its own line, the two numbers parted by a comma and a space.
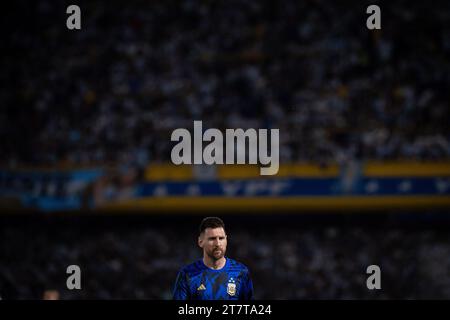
112, 92
289, 262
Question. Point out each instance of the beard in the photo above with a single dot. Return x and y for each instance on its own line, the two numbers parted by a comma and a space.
216, 254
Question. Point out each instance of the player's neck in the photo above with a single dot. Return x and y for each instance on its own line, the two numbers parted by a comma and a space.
214, 264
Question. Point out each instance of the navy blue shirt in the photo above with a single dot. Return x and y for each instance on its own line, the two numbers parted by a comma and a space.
198, 282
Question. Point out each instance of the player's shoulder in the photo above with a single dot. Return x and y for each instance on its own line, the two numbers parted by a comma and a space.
233, 264
192, 268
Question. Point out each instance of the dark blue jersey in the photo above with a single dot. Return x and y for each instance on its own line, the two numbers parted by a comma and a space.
198, 282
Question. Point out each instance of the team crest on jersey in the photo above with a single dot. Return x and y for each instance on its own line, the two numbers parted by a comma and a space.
231, 287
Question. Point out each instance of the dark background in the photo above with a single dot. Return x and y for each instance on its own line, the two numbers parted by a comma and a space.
111, 94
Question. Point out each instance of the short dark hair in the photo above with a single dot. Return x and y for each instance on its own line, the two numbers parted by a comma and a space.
211, 222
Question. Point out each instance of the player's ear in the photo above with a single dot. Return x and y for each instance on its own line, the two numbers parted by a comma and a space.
200, 241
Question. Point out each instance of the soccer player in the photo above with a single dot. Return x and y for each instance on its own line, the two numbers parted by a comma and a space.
215, 277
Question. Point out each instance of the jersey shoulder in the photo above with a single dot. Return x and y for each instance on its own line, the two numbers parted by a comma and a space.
236, 265
193, 268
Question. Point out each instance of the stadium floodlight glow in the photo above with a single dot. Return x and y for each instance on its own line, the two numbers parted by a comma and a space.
235, 147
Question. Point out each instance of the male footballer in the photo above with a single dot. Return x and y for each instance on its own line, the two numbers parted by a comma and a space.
215, 277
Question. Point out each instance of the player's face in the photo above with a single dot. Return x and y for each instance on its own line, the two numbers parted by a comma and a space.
213, 242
